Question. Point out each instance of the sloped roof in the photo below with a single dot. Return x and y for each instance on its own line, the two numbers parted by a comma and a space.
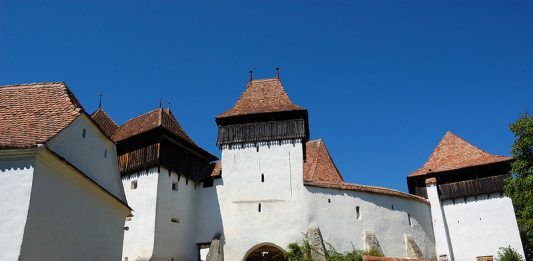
213, 170
454, 153
32, 114
262, 96
149, 121
320, 171
319, 166
102, 119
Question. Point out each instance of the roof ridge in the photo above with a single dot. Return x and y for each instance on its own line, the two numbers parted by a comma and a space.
107, 114
31, 84
138, 116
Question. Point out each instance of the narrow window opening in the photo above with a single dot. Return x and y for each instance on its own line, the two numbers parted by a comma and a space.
174, 220
83, 133
357, 212
259, 207
262, 177
392, 206
329, 200
105, 153
134, 184
409, 218
175, 186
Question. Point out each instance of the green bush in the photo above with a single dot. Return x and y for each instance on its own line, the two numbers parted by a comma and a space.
508, 254
302, 252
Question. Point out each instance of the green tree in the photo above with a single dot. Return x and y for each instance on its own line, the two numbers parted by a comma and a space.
520, 186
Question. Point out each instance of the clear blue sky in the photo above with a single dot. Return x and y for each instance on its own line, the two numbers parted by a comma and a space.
382, 80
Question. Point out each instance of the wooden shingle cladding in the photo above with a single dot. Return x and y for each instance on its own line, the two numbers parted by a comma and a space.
264, 112
262, 131
160, 148
156, 139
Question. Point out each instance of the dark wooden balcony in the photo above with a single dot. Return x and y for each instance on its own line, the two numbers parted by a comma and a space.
473, 187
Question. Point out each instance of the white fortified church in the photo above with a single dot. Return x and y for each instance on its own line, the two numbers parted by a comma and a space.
81, 187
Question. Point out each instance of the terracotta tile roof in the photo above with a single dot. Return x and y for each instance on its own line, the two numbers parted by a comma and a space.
454, 153
320, 171
106, 124
31, 114
262, 96
318, 165
213, 170
217, 169
149, 121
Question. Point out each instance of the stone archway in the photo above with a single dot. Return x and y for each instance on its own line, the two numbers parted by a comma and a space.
265, 252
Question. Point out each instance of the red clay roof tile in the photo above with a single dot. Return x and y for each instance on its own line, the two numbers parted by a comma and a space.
262, 96
320, 171
454, 153
318, 165
108, 126
31, 114
149, 121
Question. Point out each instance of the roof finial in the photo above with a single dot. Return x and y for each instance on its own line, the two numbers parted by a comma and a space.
251, 72
277, 72
161, 102
100, 101
168, 108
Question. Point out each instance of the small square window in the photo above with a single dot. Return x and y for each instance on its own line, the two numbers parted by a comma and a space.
134, 184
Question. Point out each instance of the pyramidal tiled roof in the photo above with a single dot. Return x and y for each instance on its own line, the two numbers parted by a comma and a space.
318, 165
320, 171
108, 126
262, 96
31, 114
453, 153
151, 120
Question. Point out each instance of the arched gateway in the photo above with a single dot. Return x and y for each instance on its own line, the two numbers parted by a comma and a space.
265, 252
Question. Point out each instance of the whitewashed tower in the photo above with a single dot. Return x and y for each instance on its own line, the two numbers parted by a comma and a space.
262, 140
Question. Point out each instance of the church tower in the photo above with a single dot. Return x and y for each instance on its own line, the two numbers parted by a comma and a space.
262, 138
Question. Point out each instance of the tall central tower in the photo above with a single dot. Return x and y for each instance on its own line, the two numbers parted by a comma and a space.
262, 138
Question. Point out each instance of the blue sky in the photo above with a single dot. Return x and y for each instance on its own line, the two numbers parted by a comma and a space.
382, 80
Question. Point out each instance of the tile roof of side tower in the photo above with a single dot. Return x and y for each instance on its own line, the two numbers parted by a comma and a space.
158, 118
149, 121
33, 113
262, 96
454, 153
320, 171
108, 126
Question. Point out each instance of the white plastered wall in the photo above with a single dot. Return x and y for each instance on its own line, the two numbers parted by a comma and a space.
282, 215
288, 208
70, 218
16, 178
139, 238
95, 155
481, 225
385, 216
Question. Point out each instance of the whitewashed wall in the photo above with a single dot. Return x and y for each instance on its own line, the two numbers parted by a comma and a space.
70, 218
16, 177
175, 240
281, 196
288, 208
139, 238
93, 154
481, 225
385, 216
